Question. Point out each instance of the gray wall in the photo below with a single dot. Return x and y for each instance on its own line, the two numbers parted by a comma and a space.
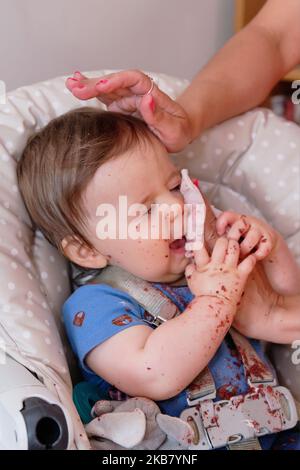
40, 39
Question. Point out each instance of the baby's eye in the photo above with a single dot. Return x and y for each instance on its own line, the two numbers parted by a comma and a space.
177, 188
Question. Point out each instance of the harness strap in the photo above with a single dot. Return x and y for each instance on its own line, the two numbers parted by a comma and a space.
249, 444
202, 387
158, 305
256, 370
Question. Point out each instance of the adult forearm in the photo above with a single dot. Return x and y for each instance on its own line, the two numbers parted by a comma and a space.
176, 352
235, 79
282, 270
285, 320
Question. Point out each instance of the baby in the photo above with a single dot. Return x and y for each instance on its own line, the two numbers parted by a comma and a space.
245, 275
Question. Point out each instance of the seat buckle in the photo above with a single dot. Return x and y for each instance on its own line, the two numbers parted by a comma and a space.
266, 410
152, 319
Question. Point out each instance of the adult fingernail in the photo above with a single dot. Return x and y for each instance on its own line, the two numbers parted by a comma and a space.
152, 104
102, 81
77, 74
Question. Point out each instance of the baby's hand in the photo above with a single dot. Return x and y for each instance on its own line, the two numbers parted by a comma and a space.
222, 275
257, 236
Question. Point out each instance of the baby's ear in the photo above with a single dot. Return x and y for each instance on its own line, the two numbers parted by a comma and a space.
80, 253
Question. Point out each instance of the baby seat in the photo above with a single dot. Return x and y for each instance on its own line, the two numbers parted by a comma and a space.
249, 164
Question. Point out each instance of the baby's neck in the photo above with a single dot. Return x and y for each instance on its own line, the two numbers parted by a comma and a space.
179, 282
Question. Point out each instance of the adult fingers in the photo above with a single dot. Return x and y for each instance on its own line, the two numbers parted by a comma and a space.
166, 119
136, 81
126, 105
84, 89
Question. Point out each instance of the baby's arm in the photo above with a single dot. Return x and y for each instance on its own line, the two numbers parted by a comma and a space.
279, 264
160, 363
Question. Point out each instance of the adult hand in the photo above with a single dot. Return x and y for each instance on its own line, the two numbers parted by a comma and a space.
128, 92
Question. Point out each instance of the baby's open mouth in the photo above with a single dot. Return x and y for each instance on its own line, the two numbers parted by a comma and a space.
178, 244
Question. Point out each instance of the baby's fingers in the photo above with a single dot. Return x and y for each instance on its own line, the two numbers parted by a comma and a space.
189, 270
247, 265
264, 248
251, 241
238, 229
219, 251
232, 253
201, 257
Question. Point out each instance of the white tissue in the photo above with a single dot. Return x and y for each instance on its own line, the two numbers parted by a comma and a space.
195, 212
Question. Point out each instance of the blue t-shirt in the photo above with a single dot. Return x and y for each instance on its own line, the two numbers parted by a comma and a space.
96, 312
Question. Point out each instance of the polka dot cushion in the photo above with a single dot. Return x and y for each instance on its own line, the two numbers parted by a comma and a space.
249, 163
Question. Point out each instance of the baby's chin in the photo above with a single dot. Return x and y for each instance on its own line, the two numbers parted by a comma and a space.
171, 279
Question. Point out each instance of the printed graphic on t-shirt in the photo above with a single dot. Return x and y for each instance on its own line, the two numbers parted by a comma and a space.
122, 320
78, 319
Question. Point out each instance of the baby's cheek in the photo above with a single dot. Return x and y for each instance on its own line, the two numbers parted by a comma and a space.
149, 250
155, 253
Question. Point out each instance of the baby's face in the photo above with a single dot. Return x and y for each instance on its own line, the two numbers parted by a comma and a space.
144, 175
